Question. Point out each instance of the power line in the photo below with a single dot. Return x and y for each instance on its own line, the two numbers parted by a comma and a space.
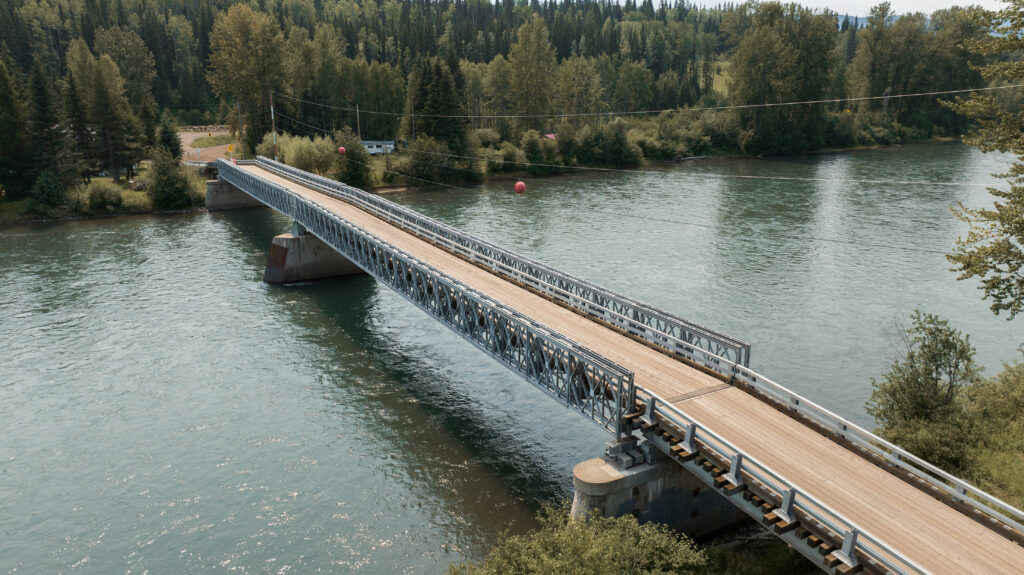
655, 218
703, 174
655, 112
711, 174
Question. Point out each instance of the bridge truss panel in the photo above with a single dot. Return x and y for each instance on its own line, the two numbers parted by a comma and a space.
675, 334
715, 351
572, 374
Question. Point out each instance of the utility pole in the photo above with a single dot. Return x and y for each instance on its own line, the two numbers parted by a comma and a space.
359, 132
273, 124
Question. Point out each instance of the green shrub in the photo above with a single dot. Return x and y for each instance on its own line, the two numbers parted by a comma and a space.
597, 546
540, 152
78, 200
488, 137
47, 190
104, 197
508, 158
171, 188
352, 167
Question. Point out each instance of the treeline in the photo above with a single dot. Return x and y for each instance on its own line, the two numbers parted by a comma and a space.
479, 76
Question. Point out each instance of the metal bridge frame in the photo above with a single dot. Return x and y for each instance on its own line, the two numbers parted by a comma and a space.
603, 391
720, 353
572, 374
661, 328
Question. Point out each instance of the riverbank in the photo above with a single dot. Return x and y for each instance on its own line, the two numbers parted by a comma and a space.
137, 202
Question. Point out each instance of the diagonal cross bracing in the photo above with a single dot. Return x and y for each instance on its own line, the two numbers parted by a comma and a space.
564, 369
677, 335
865, 511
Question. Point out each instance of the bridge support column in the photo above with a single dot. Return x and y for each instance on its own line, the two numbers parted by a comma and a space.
299, 256
662, 492
221, 195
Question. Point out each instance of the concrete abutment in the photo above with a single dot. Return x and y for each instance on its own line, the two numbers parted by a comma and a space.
299, 256
221, 195
662, 492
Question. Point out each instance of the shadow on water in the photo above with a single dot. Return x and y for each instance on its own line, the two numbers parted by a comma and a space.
412, 403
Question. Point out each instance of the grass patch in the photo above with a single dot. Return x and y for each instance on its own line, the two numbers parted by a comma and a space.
211, 141
12, 211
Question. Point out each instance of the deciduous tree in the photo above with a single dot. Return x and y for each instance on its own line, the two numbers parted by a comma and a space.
993, 249
532, 66
246, 50
920, 402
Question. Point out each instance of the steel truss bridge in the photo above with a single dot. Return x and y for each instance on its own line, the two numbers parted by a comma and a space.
664, 387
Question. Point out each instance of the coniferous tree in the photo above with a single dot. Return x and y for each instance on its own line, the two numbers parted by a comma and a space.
168, 140
111, 119
13, 179
80, 141
45, 130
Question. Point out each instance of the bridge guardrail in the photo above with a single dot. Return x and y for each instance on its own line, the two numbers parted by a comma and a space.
894, 455
958, 489
676, 334
791, 498
571, 373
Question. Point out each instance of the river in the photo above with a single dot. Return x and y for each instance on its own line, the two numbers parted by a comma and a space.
163, 410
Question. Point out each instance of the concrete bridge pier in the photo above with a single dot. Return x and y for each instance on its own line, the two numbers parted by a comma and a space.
300, 256
661, 491
221, 195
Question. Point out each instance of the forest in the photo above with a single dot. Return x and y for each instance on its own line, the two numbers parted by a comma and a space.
471, 87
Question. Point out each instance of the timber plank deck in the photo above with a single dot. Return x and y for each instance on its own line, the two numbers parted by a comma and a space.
936, 536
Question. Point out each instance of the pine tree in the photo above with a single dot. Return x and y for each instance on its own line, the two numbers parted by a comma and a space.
13, 180
46, 145
111, 119
168, 140
79, 134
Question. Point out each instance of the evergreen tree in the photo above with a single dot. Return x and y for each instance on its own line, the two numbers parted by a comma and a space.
170, 188
80, 137
169, 141
47, 191
13, 175
111, 119
434, 107
45, 130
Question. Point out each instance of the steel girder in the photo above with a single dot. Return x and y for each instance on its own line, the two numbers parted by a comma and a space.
661, 328
576, 376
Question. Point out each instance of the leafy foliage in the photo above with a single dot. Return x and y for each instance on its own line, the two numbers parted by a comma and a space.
47, 190
104, 197
170, 188
920, 402
597, 546
993, 249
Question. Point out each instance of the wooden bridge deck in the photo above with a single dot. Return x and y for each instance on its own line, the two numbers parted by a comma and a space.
936, 536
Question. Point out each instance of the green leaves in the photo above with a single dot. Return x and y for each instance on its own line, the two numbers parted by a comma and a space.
598, 546
920, 401
993, 249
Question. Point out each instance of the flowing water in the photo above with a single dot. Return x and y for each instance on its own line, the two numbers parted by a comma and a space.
163, 410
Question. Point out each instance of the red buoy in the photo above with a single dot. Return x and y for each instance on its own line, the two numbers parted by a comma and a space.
341, 149
520, 187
